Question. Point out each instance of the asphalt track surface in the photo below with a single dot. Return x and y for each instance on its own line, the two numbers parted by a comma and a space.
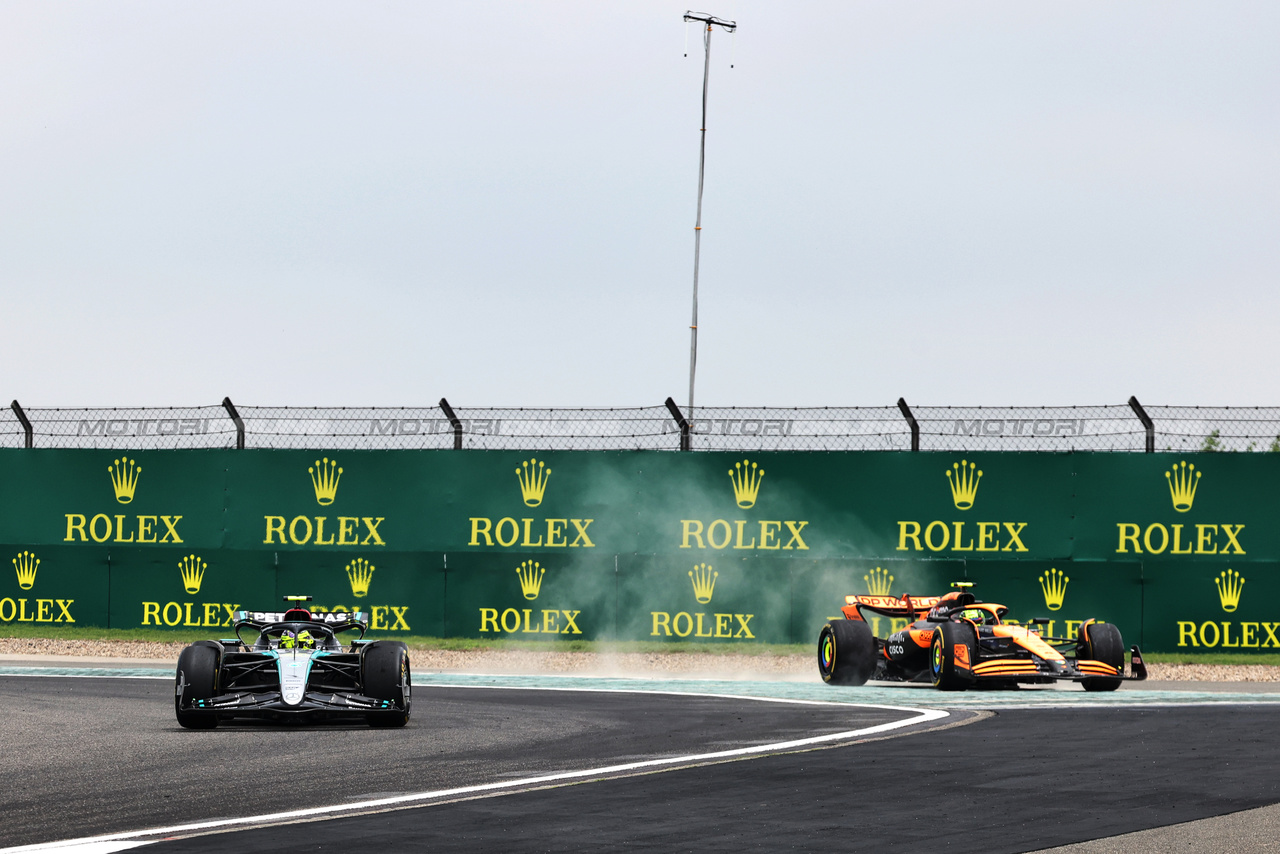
1015, 781
84, 757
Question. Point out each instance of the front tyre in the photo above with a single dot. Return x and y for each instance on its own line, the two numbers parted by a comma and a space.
846, 652
195, 680
1101, 642
386, 676
952, 642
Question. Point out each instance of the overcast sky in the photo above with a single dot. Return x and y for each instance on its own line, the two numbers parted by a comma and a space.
384, 203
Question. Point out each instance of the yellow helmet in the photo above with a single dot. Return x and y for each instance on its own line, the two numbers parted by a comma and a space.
301, 640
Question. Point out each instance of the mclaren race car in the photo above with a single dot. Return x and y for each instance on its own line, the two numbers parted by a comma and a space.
291, 666
958, 642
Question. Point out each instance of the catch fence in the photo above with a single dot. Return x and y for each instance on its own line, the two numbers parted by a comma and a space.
901, 427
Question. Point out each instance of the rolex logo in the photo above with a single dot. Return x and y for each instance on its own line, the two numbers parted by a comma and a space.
124, 478
26, 564
878, 582
746, 477
704, 582
1183, 481
533, 477
192, 573
530, 573
324, 479
360, 574
1054, 586
964, 485
1230, 585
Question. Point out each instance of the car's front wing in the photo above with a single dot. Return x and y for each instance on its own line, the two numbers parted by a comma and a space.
1030, 668
271, 704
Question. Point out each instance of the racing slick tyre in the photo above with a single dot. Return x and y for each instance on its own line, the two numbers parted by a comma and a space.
385, 676
942, 656
1101, 642
195, 680
846, 652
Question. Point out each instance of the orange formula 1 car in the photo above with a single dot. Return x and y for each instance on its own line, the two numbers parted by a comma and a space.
958, 642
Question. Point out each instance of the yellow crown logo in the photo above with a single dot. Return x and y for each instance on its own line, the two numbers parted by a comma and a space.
704, 582
325, 475
746, 477
1230, 585
530, 578
1054, 585
26, 564
964, 486
124, 478
192, 573
360, 574
1183, 481
878, 582
533, 477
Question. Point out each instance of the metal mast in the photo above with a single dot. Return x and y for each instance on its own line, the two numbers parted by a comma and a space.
728, 26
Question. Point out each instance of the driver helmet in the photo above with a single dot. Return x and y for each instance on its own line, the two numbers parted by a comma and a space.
300, 640
976, 614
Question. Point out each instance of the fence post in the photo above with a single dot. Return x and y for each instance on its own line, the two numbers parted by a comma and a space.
26, 424
911, 422
239, 422
1147, 423
686, 441
457, 425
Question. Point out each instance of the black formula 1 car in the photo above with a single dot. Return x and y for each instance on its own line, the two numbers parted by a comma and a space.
293, 668
958, 642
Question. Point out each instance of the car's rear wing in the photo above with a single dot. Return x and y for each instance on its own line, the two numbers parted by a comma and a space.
326, 617
333, 621
906, 606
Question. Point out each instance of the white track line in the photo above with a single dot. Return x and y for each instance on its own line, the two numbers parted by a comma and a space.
111, 842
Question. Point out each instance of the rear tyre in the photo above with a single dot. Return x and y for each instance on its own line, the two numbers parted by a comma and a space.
1101, 642
195, 680
947, 637
385, 674
846, 652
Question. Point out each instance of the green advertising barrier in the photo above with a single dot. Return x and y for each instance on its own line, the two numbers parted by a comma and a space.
1217, 606
403, 592
873, 505
600, 545
383, 501
676, 599
1176, 507
187, 589
1065, 593
97, 498
315, 501
530, 596
54, 586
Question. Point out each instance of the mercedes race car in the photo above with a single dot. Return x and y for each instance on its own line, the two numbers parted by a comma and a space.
957, 642
292, 667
